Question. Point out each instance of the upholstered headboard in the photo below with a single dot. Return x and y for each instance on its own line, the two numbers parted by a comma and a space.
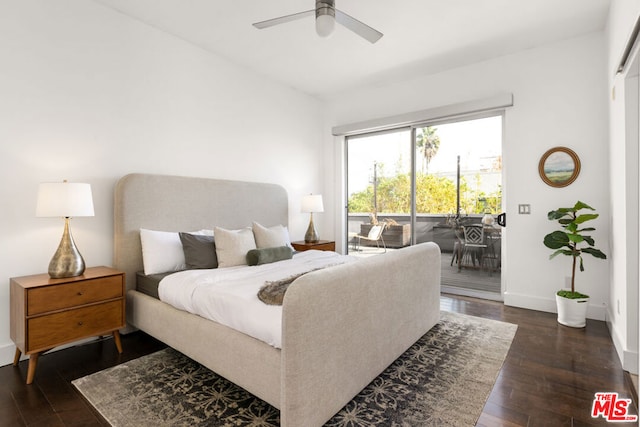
176, 203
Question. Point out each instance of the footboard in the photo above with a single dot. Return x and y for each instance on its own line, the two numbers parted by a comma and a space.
344, 325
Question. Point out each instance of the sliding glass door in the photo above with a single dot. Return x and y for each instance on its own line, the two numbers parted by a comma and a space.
426, 182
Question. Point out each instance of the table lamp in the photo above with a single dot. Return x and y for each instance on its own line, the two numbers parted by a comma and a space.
65, 199
310, 204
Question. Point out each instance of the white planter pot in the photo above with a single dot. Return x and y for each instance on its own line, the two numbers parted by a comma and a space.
572, 312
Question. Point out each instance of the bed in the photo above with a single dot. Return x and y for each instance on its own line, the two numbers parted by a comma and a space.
341, 326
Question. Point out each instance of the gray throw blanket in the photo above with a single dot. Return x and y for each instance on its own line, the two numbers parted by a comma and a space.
272, 293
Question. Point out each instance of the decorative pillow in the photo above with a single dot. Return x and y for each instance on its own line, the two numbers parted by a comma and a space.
203, 232
161, 251
199, 251
271, 237
232, 246
269, 255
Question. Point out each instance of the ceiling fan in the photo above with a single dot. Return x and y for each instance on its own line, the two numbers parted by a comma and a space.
326, 17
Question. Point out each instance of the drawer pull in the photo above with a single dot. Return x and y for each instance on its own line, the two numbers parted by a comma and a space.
79, 294
80, 323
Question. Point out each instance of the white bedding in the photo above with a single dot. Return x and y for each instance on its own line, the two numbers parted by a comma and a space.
229, 295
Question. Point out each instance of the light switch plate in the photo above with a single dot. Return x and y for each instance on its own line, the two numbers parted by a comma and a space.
524, 209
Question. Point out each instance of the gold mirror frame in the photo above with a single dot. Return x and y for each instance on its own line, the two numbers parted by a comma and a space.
559, 167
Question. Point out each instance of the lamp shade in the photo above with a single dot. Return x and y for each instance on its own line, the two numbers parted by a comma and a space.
64, 199
312, 203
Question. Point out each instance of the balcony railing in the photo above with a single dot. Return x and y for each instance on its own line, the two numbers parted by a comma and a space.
429, 228
471, 281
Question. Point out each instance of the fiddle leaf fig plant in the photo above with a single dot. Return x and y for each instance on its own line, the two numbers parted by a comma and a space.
572, 240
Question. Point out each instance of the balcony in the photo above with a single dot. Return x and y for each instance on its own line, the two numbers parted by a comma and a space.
468, 279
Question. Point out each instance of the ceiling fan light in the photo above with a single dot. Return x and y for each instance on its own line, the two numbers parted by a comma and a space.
325, 25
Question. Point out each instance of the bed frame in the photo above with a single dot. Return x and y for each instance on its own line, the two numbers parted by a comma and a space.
342, 326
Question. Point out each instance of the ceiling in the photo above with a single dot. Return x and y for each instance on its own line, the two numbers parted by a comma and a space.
420, 36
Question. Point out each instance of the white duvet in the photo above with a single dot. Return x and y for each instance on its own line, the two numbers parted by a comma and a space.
230, 295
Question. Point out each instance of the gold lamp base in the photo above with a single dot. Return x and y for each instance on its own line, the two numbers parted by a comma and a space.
311, 236
67, 261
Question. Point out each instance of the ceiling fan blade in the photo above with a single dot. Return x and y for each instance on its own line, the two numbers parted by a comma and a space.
283, 19
361, 29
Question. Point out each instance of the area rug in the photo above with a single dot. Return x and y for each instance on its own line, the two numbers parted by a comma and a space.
442, 380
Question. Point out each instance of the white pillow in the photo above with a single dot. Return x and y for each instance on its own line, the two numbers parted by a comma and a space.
161, 251
270, 237
232, 246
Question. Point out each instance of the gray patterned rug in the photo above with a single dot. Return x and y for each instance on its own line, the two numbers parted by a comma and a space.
442, 380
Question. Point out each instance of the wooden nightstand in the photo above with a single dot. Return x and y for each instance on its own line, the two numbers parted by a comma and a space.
320, 245
46, 313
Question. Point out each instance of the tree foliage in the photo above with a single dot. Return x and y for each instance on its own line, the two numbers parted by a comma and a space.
434, 195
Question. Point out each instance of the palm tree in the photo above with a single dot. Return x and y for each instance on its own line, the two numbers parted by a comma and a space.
428, 143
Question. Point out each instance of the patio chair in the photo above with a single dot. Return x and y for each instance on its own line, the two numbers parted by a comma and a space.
492, 256
374, 235
474, 245
458, 246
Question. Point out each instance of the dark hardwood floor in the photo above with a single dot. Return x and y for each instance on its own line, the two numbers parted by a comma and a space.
552, 372
549, 378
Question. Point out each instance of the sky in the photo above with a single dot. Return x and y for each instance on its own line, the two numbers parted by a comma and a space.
477, 142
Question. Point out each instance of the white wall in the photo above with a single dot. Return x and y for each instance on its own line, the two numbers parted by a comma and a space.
623, 136
89, 95
560, 98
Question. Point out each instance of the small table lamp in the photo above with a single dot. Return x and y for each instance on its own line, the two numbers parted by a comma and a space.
310, 204
66, 200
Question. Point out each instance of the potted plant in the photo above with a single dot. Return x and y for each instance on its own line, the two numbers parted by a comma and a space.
572, 241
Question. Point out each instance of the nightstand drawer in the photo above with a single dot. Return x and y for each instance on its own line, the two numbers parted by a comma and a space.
66, 326
320, 245
328, 246
56, 297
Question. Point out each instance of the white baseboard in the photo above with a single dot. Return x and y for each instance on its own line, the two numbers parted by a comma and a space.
548, 305
630, 362
628, 359
7, 351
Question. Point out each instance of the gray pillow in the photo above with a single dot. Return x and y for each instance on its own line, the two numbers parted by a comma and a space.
199, 251
268, 255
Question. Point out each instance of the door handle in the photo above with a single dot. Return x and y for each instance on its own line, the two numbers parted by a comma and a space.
502, 219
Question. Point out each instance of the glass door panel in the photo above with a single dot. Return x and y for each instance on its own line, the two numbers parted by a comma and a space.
379, 190
459, 183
